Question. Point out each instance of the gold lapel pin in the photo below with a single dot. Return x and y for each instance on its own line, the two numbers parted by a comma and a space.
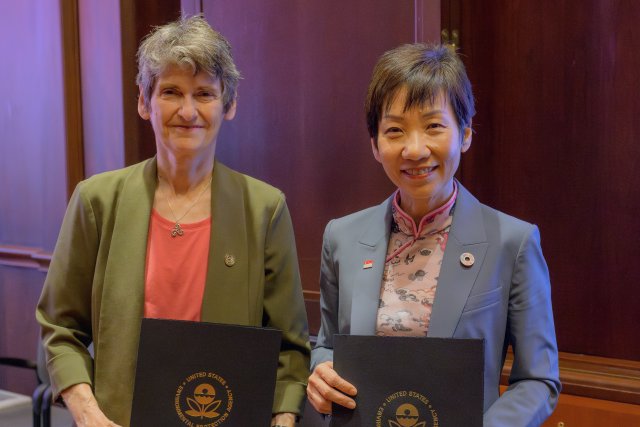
229, 260
467, 259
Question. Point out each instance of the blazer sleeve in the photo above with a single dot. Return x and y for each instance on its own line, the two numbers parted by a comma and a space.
329, 295
64, 309
534, 383
284, 309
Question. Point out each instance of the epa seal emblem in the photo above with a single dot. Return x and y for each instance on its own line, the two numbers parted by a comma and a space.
203, 399
406, 409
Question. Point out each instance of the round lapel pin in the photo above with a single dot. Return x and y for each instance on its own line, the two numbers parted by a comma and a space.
229, 260
467, 259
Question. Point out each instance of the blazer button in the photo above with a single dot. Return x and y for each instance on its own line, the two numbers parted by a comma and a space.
229, 260
467, 259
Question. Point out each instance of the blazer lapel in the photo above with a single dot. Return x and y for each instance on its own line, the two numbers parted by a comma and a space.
467, 235
122, 299
226, 295
372, 246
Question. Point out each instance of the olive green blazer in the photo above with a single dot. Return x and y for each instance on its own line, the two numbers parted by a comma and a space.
94, 291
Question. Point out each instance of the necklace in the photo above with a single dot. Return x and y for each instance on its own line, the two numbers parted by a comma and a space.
177, 229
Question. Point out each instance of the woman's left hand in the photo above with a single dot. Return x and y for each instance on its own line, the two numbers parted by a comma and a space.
284, 419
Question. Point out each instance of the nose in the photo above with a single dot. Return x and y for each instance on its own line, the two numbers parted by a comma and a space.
188, 109
416, 147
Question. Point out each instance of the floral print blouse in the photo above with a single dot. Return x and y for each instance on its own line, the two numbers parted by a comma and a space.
412, 266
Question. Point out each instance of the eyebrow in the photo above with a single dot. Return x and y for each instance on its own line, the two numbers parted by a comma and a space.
424, 115
211, 87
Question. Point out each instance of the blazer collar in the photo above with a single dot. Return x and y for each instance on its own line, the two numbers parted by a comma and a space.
125, 270
467, 235
366, 287
226, 296
122, 297
468, 222
467, 226
377, 228
226, 291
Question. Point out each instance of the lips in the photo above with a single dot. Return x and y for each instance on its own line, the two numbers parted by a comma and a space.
186, 129
419, 171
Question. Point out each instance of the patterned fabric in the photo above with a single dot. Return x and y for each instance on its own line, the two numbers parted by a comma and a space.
412, 266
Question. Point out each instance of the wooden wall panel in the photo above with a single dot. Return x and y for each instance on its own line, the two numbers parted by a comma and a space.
101, 63
52, 129
300, 123
32, 137
19, 293
556, 144
575, 411
137, 18
72, 93
32, 167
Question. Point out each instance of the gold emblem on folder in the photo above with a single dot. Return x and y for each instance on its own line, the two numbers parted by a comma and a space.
406, 409
203, 399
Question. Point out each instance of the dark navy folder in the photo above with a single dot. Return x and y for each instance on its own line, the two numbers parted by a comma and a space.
204, 374
416, 382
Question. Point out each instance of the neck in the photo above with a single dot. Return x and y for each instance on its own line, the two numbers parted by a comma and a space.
184, 173
418, 208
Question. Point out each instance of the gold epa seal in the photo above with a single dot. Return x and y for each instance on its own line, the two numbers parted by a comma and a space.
203, 399
406, 409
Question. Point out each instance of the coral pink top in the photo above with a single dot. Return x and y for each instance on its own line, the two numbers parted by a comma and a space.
176, 269
410, 278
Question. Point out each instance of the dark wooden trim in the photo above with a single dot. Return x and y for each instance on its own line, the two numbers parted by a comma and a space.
191, 7
418, 24
596, 377
450, 21
311, 295
312, 305
425, 29
137, 18
24, 256
129, 108
72, 93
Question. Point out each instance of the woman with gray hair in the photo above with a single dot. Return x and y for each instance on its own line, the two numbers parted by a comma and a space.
431, 260
178, 236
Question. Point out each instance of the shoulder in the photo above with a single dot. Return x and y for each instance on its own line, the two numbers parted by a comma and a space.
501, 229
109, 183
493, 219
354, 220
246, 183
367, 226
505, 222
256, 198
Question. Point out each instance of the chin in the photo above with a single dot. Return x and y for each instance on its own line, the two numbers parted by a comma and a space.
425, 192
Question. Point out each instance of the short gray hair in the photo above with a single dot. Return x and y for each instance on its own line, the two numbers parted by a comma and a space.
189, 42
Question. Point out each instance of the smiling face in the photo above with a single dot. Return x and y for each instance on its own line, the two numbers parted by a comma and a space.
419, 150
186, 112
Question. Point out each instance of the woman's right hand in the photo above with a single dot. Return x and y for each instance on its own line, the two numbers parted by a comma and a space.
326, 387
84, 407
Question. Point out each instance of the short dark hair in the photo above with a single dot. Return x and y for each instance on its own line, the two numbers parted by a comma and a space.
426, 71
188, 42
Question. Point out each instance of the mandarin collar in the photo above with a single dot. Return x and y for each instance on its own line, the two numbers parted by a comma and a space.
433, 222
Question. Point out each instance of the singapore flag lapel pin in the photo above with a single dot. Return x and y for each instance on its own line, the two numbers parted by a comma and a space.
367, 264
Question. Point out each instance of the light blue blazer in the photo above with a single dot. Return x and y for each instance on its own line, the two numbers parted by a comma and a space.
503, 298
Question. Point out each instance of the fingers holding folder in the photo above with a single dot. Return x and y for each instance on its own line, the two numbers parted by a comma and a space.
327, 387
